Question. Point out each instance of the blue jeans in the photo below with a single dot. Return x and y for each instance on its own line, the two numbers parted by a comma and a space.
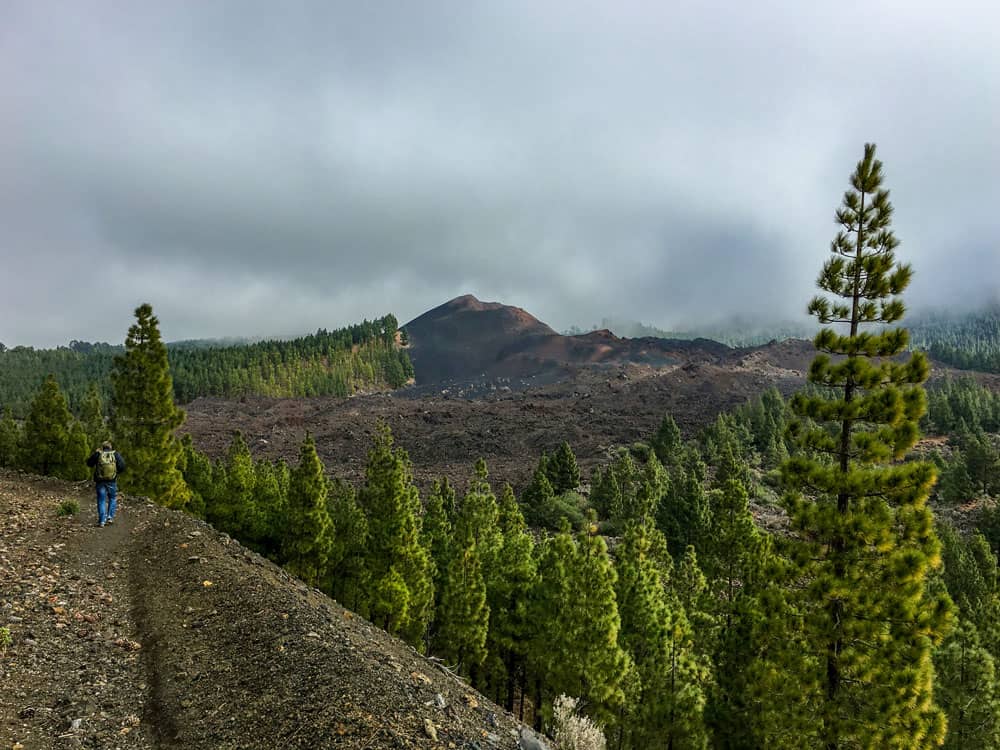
107, 496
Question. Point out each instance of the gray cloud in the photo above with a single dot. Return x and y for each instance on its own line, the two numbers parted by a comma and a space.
251, 170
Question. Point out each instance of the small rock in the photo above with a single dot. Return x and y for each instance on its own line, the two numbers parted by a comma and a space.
74, 726
430, 729
420, 678
531, 741
439, 700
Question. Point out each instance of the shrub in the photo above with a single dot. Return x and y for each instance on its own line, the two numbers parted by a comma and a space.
5, 640
68, 508
573, 732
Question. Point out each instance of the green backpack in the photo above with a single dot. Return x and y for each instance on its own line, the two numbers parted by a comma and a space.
107, 466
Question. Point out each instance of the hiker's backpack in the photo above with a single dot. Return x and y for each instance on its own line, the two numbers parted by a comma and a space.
107, 466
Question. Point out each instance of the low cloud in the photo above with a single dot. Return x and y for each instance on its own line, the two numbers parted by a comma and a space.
256, 171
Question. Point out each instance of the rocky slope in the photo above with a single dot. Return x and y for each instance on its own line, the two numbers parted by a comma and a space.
157, 632
446, 430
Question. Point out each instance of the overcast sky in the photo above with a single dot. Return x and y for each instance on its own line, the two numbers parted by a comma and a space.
271, 168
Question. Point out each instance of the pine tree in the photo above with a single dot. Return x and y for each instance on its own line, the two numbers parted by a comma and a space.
616, 493
736, 570
400, 569
667, 708
478, 512
508, 588
956, 486
75, 456
144, 416
10, 440
46, 431
684, 514
689, 586
348, 577
309, 536
970, 572
436, 537
196, 468
235, 508
92, 417
271, 501
539, 500
562, 470
642, 496
966, 688
551, 635
605, 493
667, 441
464, 613
600, 663
982, 460
867, 542
463, 616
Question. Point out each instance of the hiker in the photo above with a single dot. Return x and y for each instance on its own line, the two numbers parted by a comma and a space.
107, 464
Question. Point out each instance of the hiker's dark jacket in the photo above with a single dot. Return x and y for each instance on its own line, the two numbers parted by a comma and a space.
119, 466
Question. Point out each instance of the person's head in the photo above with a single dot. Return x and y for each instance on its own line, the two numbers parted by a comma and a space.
107, 446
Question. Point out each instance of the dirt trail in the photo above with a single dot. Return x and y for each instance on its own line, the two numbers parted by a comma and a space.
158, 632
72, 674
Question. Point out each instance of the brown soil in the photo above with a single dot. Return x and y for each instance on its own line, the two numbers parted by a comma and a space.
157, 632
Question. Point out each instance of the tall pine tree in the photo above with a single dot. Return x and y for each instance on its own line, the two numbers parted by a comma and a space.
436, 537
464, 613
348, 577
400, 569
144, 416
736, 568
667, 707
562, 470
508, 590
309, 535
867, 541
46, 432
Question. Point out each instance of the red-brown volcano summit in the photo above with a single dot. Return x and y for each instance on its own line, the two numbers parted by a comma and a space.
466, 339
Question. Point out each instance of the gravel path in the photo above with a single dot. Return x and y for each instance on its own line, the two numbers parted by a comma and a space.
158, 632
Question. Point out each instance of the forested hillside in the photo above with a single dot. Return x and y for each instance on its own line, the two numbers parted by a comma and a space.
326, 363
968, 342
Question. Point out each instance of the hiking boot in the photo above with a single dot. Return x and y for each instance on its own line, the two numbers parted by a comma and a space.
110, 520
101, 523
